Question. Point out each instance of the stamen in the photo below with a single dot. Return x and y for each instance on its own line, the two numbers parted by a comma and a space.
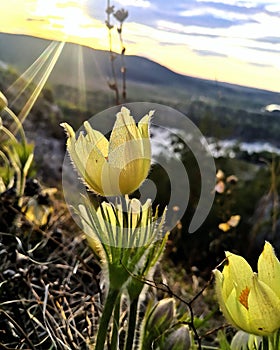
243, 298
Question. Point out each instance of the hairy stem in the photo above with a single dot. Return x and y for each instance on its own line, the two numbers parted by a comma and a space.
105, 318
116, 322
131, 323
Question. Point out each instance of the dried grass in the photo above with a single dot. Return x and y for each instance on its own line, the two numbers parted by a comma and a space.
49, 287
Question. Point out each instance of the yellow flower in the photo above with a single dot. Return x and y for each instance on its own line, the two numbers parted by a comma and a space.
117, 166
124, 237
3, 101
248, 300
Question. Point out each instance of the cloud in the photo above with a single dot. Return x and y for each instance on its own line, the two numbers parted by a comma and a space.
263, 49
209, 53
273, 8
260, 65
217, 15
37, 19
237, 3
167, 43
212, 21
269, 39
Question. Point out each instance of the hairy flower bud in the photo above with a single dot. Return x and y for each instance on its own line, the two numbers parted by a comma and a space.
178, 339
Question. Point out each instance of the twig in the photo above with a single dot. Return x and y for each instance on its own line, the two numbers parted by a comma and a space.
18, 327
166, 289
114, 85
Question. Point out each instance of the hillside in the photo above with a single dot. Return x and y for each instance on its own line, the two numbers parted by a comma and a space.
78, 84
143, 75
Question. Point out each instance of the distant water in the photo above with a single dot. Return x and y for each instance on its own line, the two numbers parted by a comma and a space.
162, 143
272, 108
226, 147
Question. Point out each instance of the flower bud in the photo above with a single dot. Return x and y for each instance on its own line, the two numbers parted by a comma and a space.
121, 15
157, 321
161, 316
179, 339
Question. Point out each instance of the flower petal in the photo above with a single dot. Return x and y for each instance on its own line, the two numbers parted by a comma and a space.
237, 274
90, 230
264, 308
107, 217
68, 129
269, 268
76, 158
89, 162
219, 282
238, 312
133, 174
97, 139
124, 130
144, 123
109, 180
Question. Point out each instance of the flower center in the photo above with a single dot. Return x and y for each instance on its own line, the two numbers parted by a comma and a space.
243, 297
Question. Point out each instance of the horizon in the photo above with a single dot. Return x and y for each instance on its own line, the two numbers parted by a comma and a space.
170, 69
220, 40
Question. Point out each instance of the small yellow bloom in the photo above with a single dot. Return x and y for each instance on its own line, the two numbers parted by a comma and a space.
248, 300
3, 101
114, 167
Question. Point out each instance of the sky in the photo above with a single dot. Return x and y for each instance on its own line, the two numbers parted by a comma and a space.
235, 41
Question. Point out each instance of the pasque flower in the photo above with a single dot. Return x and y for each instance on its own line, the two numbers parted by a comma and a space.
127, 237
248, 300
121, 225
116, 166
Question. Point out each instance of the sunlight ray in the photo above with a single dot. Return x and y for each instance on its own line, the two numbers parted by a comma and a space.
32, 99
22, 83
35, 77
81, 79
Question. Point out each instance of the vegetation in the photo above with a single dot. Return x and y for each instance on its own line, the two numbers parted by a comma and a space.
51, 285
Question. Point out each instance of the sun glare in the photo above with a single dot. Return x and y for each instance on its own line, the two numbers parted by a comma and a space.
75, 22
68, 17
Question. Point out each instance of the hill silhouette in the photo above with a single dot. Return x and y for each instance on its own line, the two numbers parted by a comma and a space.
93, 66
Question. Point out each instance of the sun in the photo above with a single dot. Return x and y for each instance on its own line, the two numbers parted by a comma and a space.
67, 17
55, 20
74, 22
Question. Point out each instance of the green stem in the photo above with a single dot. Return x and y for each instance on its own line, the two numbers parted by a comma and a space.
131, 323
116, 322
105, 318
